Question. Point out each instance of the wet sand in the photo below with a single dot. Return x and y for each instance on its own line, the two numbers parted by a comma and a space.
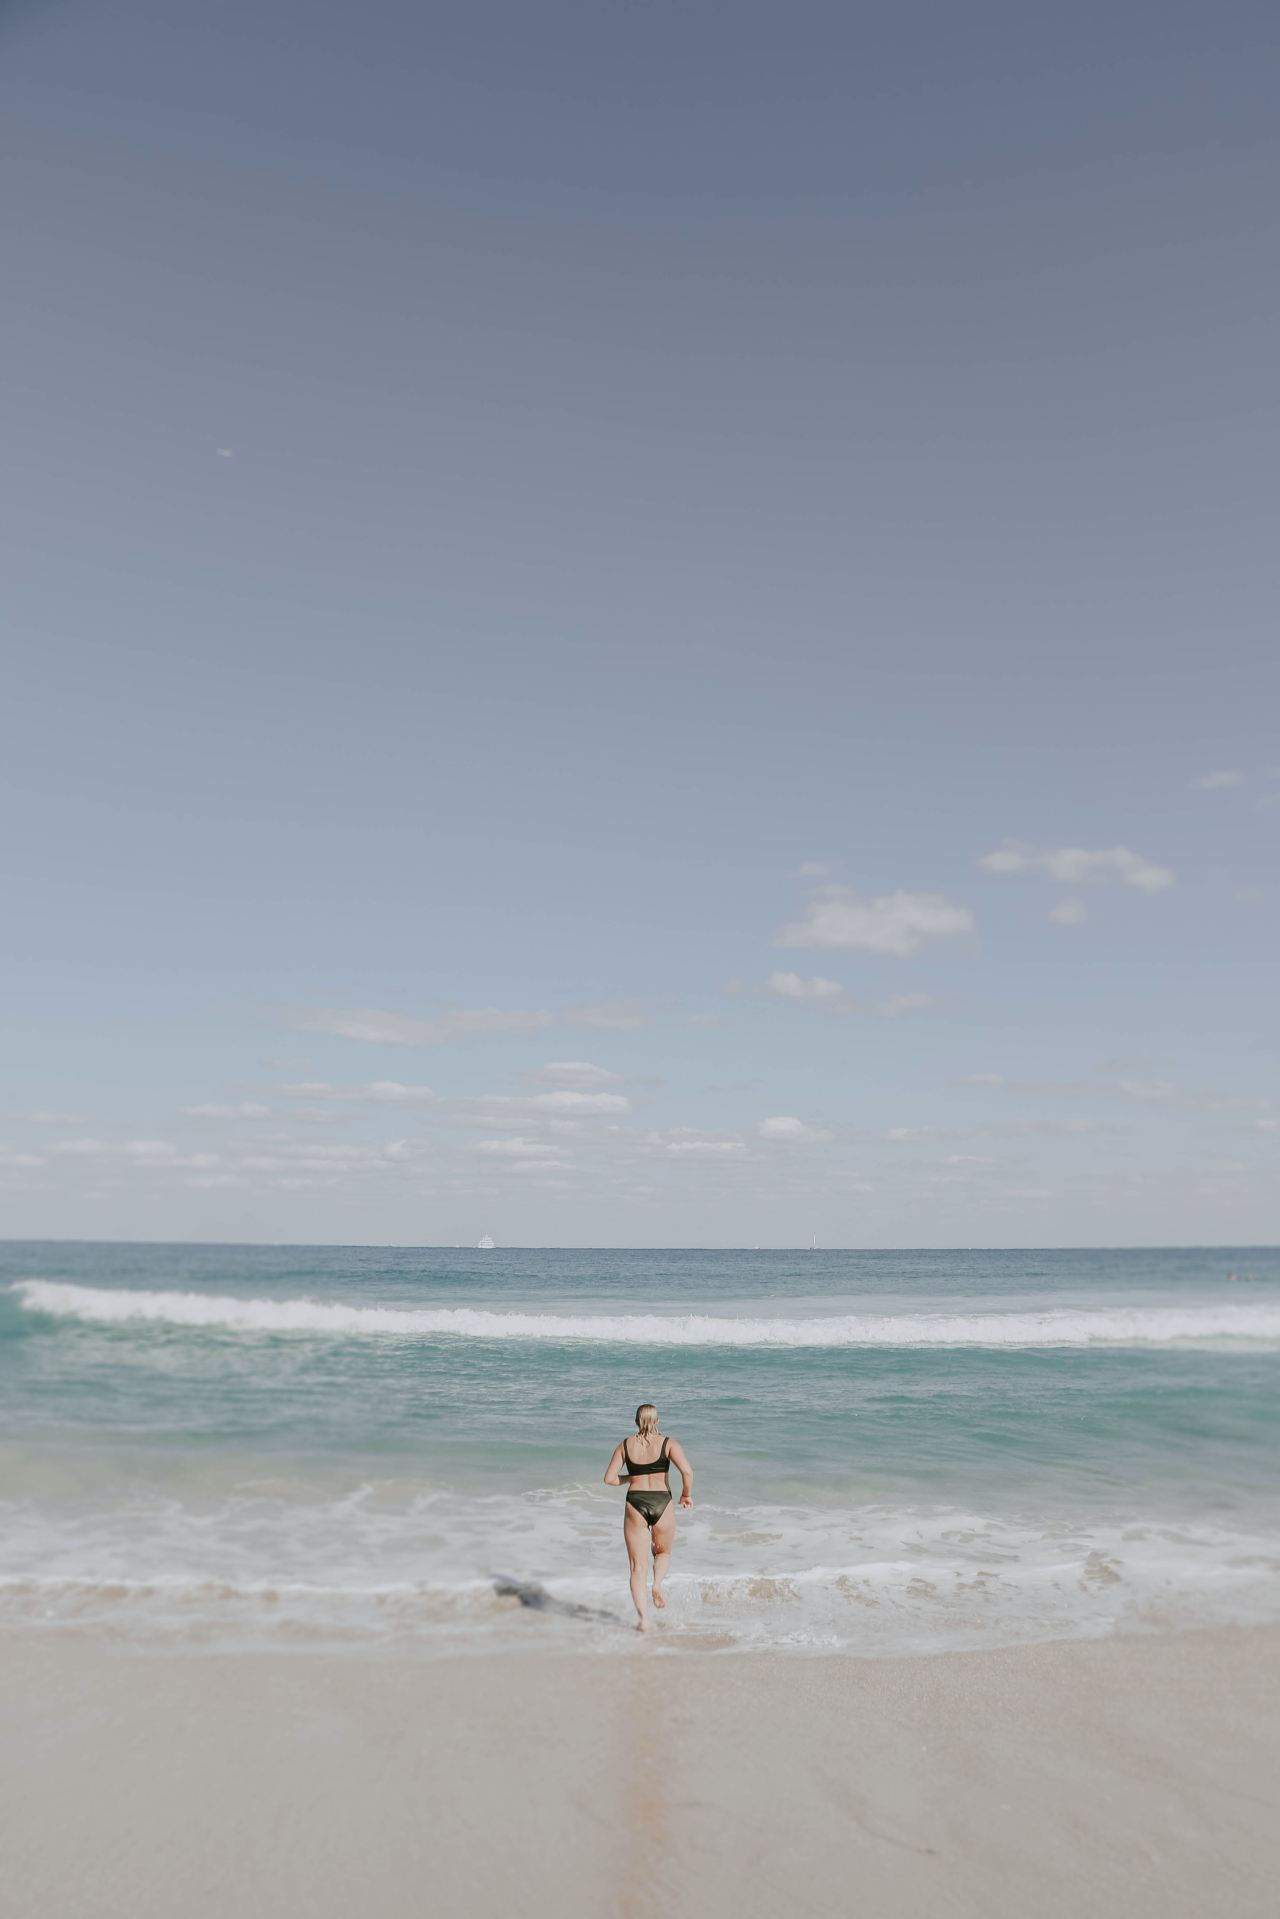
1134, 1777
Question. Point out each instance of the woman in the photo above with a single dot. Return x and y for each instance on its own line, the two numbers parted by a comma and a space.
648, 1518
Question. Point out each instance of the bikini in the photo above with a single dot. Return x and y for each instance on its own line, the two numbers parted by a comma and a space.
653, 1503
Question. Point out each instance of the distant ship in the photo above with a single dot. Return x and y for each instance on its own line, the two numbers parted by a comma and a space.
484, 1244
813, 1244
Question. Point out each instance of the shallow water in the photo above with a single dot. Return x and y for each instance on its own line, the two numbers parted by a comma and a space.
894, 1451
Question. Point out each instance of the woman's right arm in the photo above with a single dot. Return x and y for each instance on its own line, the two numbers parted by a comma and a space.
613, 1471
680, 1460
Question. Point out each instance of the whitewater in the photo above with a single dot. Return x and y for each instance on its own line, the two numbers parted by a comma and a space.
1116, 1326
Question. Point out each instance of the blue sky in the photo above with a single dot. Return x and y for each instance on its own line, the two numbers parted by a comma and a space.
640, 624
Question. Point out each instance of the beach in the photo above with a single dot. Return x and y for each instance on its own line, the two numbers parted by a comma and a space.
1132, 1775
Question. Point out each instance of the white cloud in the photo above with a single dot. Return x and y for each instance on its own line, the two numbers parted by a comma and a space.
392, 1029
392, 1092
56, 1119
1077, 866
493, 1019
383, 1092
689, 1142
787, 1128
894, 923
1129, 1088
224, 452
610, 1015
577, 1072
1001, 1129
308, 1157
519, 1148
528, 1149
243, 1109
252, 1166
1069, 912
570, 1101
813, 870
1218, 782
904, 1003
796, 986
379, 1027
142, 1152
559, 1110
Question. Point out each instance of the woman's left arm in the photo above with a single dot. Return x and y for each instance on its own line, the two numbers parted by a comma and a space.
680, 1460
613, 1471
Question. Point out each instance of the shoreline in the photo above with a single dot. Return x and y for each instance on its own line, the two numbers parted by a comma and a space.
1128, 1775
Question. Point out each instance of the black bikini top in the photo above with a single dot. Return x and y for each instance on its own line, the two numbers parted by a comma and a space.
635, 1470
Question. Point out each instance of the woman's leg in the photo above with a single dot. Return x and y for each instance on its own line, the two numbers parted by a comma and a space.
664, 1538
635, 1530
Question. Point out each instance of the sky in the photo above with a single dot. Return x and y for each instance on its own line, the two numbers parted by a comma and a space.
640, 624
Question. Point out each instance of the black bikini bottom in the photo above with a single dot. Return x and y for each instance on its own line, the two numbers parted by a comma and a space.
650, 1506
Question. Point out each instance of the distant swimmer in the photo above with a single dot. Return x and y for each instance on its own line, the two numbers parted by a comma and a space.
649, 1518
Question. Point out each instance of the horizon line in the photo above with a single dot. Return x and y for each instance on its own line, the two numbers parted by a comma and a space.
548, 1246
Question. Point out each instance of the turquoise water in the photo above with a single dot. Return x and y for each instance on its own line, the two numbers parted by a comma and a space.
894, 1451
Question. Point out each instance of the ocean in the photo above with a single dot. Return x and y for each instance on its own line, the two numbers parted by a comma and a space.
895, 1452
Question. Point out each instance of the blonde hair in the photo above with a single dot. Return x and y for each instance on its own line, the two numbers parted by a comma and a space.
646, 1419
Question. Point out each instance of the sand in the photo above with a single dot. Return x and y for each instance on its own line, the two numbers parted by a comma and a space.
1129, 1776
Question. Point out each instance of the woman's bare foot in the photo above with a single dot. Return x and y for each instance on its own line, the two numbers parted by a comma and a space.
642, 1625
659, 1597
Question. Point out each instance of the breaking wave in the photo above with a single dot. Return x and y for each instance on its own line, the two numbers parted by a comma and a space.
1248, 1325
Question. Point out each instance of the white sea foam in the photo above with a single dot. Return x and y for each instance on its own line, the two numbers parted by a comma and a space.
437, 1569
1206, 1325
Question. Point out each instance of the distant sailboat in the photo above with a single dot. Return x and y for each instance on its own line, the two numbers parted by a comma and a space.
813, 1244
484, 1244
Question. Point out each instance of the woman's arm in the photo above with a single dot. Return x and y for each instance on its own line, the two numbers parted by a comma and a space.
680, 1460
613, 1471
